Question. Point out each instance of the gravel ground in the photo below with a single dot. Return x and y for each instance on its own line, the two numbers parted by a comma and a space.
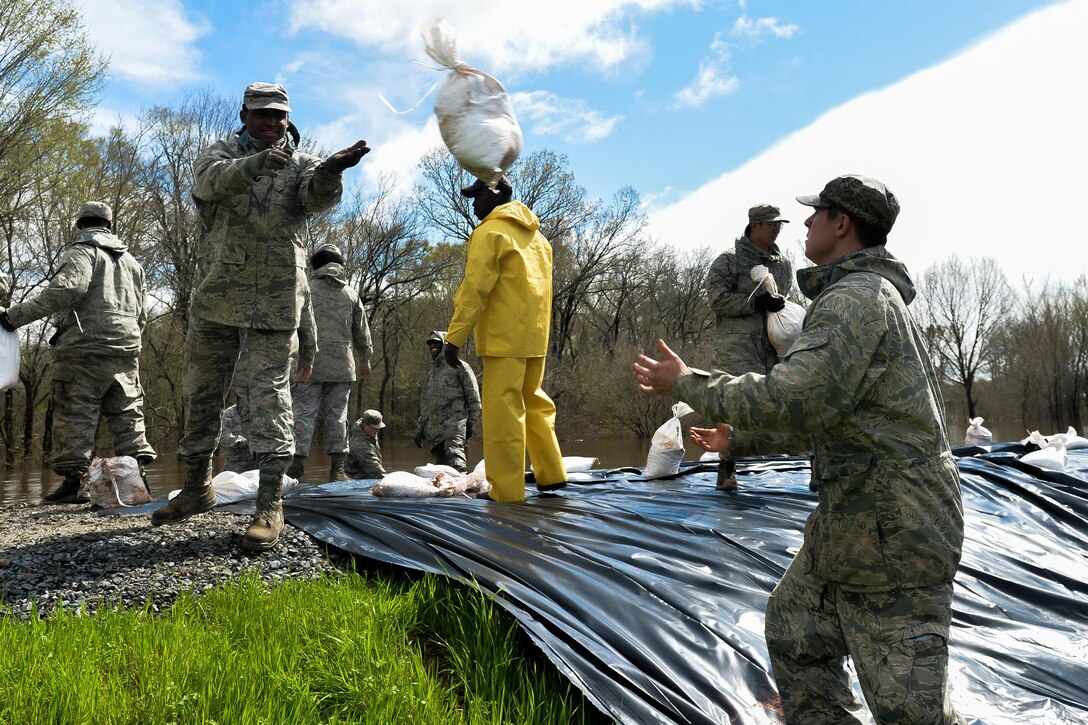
50, 554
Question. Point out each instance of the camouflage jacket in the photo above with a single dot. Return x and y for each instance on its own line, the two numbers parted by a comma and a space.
741, 329
364, 454
859, 382
341, 326
99, 293
449, 399
257, 229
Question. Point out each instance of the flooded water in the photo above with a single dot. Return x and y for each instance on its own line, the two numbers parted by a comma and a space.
28, 483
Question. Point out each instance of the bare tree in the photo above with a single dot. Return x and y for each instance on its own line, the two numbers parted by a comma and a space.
964, 306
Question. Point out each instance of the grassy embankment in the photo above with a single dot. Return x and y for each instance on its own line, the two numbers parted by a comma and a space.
361, 649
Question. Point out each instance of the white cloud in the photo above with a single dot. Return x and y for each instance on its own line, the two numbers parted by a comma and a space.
395, 152
986, 153
147, 41
555, 116
712, 80
761, 27
501, 39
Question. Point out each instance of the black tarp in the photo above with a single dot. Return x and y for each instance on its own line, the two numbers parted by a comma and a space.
649, 595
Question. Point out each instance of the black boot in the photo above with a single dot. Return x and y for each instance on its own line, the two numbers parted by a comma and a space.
336, 467
67, 491
295, 469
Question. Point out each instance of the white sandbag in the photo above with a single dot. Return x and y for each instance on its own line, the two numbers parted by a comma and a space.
710, 456
1035, 438
231, 487
114, 483
475, 117
575, 464
667, 445
784, 326
976, 435
1053, 457
9, 359
430, 470
401, 484
1070, 439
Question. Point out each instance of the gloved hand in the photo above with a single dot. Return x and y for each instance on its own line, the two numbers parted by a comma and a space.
418, 439
452, 353
767, 302
346, 158
267, 163
5, 322
468, 428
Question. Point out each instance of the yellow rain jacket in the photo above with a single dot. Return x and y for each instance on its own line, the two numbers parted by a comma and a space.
506, 294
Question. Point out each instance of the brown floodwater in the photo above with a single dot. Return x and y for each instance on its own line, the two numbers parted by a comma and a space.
27, 483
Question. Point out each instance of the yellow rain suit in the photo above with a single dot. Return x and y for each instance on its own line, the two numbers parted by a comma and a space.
506, 298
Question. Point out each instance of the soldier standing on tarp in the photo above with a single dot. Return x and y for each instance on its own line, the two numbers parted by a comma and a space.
448, 405
99, 291
342, 330
253, 192
742, 345
873, 577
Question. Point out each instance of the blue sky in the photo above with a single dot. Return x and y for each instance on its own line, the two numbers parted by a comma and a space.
667, 96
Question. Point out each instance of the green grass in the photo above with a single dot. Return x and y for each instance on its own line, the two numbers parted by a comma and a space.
356, 649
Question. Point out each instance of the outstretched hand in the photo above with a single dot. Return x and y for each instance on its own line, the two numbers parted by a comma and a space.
715, 440
655, 377
347, 158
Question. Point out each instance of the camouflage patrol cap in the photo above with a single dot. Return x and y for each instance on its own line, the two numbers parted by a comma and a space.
96, 209
372, 418
767, 214
438, 336
266, 95
859, 196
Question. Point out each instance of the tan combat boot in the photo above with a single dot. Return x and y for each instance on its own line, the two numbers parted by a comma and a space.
267, 524
197, 496
336, 469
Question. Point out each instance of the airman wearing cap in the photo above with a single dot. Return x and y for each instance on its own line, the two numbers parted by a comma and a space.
365, 454
858, 391
254, 190
98, 300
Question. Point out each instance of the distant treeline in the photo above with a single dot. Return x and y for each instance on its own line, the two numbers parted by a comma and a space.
1004, 352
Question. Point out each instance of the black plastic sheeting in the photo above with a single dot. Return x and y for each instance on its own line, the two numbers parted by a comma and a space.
649, 595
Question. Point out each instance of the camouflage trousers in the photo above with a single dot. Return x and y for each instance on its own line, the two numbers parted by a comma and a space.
330, 400
211, 362
451, 452
238, 459
85, 389
898, 641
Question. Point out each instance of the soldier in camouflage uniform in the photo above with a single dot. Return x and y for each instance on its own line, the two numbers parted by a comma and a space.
742, 345
448, 406
341, 327
873, 578
365, 454
254, 191
99, 293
